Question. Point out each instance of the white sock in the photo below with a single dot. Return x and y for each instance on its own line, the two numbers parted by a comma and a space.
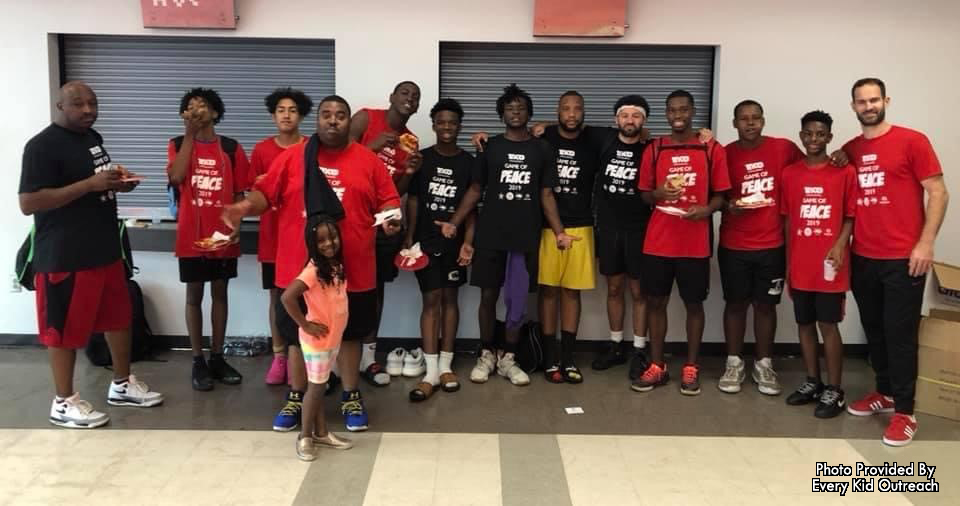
616, 336
765, 362
368, 356
446, 361
433, 372
639, 342
733, 360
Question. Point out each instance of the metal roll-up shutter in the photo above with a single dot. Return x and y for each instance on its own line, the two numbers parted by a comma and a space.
139, 82
475, 74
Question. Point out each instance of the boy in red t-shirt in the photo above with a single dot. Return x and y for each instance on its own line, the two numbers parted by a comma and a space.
380, 130
208, 177
685, 179
818, 201
287, 108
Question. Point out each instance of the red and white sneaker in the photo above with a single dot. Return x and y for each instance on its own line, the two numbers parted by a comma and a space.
901, 430
872, 404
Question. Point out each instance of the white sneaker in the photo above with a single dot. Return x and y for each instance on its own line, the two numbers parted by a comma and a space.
508, 368
486, 363
766, 379
732, 378
414, 364
76, 413
133, 392
395, 361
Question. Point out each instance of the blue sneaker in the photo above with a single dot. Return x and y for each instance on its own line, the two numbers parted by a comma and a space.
355, 414
289, 417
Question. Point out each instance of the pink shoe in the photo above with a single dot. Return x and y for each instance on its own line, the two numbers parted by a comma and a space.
277, 375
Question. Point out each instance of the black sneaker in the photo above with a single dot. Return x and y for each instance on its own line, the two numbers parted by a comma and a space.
638, 364
222, 371
610, 357
808, 392
831, 403
201, 375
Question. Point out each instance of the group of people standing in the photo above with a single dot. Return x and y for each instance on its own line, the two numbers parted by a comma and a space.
540, 208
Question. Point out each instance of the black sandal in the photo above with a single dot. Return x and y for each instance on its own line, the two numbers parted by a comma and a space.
571, 374
553, 374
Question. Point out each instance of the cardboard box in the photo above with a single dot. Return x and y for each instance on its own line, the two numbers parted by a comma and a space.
938, 382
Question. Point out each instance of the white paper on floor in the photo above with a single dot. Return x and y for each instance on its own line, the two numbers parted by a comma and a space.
576, 410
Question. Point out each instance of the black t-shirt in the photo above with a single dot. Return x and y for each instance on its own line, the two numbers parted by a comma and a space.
512, 174
619, 204
576, 171
439, 186
82, 234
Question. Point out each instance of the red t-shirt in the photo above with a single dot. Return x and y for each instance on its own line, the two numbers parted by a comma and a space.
264, 153
210, 184
672, 236
364, 187
890, 211
815, 201
392, 156
753, 170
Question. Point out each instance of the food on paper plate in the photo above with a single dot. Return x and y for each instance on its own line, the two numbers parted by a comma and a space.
216, 241
674, 181
757, 199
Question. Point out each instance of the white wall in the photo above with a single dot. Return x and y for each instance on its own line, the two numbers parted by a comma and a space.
791, 58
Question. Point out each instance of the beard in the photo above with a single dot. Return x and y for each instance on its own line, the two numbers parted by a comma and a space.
881, 115
563, 126
627, 134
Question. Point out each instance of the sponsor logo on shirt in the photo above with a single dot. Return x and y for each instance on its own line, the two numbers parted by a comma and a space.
444, 172
206, 162
871, 158
96, 151
677, 160
626, 155
751, 167
516, 157
567, 153
813, 190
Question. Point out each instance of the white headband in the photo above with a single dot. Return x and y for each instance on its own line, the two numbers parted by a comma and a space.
629, 107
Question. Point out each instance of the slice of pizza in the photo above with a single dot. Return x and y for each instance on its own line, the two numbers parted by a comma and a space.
409, 143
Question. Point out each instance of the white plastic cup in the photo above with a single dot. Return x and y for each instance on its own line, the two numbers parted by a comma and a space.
829, 270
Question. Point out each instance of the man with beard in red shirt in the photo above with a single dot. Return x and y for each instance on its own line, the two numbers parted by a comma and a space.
893, 240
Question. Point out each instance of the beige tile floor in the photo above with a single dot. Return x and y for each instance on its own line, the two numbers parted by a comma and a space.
133, 467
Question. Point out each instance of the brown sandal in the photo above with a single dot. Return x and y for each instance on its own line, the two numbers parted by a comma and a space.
449, 382
422, 392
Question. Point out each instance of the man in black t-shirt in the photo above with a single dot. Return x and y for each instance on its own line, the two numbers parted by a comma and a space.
622, 218
516, 174
433, 195
563, 274
69, 186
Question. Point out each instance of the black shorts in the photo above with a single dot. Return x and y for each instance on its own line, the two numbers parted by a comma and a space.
813, 307
443, 271
692, 276
620, 251
755, 276
200, 269
268, 275
288, 328
362, 320
490, 268
387, 247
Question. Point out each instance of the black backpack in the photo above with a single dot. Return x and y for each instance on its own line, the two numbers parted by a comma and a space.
24, 263
142, 342
227, 144
530, 352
